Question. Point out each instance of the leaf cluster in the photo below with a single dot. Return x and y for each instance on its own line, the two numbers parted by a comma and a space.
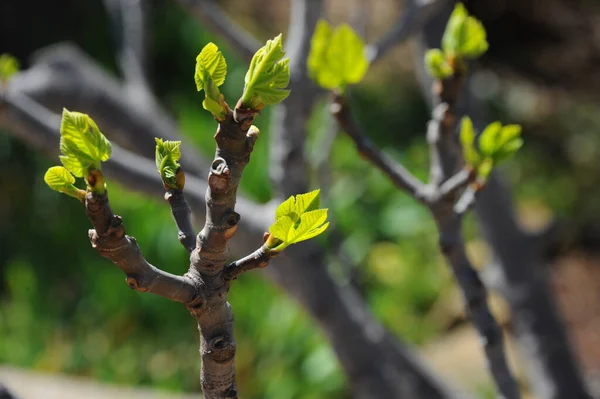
167, 158
83, 148
267, 77
210, 73
337, 56
464, 38
495, 144
297, 219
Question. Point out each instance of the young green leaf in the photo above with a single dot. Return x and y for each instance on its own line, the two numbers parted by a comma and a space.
467, 139
267, 76
9, 65
210, 73
465, 36
82, 144
60, 179
337, 57
509, 141
488, 140
437, 65
297, 219
167, 157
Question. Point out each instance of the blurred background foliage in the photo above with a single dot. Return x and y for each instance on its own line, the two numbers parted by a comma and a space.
65, 309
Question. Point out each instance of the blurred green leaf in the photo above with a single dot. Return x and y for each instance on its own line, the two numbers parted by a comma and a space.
464, 36
467, 139
9, 66
337, 57
437, 64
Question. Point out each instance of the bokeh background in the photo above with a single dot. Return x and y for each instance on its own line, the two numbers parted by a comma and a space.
63, 309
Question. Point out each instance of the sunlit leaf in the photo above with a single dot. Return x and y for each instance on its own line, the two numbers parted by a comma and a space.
267, 77
467, 139
60, 179
9, 66
210, 73
167, 158
82, 145
464, 36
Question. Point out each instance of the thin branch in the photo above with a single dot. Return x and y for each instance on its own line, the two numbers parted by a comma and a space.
456, 183
410, 22
466, 201
400, 176
256, 260
183, 218
214, 19
109, 239
475, 296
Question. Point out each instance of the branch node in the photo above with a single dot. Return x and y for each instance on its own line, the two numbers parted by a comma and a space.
221, 349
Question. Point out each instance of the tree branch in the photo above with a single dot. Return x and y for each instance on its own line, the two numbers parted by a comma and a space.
63, 76
456, 183
552, 368
212, 18
109, 239
183, 218
401, 177
256, 260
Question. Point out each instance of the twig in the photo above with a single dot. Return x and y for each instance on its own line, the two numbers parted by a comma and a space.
456, 183
109, 239
256, 260
211, 17
400, 176
183, 218
465, 202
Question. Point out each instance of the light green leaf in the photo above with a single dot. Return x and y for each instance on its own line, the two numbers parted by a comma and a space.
488, 141
59, 179
485, 168
82, 144
467, 139
464, 36
210, 73
9, 65
509, 142
267, 76
437, 65
167, 158
297, 219
337, 57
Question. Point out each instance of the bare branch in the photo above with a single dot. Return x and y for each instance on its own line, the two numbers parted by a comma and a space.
466, 201
183, 218
401, 177
456, 183
416, 14
211, 17
475, 296
256, 260
109, 239
63, 76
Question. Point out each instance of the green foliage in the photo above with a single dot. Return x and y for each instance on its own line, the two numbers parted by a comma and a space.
297, 219
464, 38
83, 148
496, 143
211, 69
437, 64
82, 145
9, 65
60, 179
167, 158
337, 57
267, 77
